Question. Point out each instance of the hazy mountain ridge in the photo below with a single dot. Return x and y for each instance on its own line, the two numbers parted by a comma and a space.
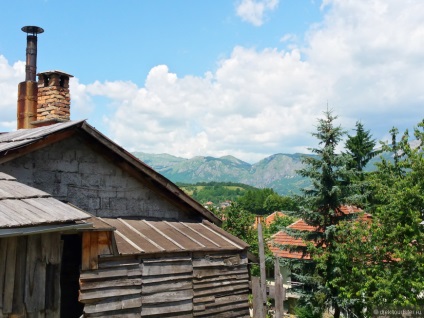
277, 171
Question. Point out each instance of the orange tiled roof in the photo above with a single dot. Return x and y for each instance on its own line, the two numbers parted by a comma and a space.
269, 219
282, 238
301, 225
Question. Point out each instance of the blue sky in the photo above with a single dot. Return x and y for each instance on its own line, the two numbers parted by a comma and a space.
246, 77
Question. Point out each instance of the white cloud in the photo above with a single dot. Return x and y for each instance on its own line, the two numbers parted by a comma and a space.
253, 11
10, 76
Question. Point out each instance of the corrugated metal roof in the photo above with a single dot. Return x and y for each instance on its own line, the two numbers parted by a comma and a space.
22, 137
22, 205
139, 236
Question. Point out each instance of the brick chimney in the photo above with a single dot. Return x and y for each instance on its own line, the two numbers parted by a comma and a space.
53, 98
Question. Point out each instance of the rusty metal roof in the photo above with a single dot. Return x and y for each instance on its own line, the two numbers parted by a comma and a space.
140, 236
22, 205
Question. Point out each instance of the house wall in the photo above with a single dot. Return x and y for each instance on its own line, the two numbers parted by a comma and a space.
30, 276
172, 285
72, 170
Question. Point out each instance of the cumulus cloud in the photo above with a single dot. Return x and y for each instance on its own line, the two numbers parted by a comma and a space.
10, 75
253, 11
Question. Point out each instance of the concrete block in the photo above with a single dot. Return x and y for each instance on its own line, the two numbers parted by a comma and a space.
118, 204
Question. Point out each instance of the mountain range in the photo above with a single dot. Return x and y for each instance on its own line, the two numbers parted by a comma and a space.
277, 171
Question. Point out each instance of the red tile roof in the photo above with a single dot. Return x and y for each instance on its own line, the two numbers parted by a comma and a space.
268, 220
282, 238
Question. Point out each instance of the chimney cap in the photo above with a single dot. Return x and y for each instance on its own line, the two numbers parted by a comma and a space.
54, 72
32, 29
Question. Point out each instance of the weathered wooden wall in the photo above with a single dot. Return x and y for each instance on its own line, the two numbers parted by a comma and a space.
172, 285
221, 285
30, 276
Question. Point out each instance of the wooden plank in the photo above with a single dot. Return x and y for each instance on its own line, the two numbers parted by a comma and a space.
232, 277
105, 243
262, 259
208, 272
167, 259
50, 245
9, 283
279, 302
86, 241
258, 302
213, 284
163, 279
18, 293
207, 299
118, 303
88, 296
166, 268
217, 261
120, 282
3, 253
167, 286
94, 250
52, 289
108, 262
229, 310
35, 276
168, 296
184, 306
224, 290
129, 313
127, 271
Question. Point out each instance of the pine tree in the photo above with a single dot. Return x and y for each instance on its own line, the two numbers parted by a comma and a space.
321, 209
360, 147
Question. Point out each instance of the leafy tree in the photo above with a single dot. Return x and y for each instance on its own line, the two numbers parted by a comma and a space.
275, 202
239, 222
396, 265
253, 200
328, 174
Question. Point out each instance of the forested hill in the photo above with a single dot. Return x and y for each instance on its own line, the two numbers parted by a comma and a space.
277, 171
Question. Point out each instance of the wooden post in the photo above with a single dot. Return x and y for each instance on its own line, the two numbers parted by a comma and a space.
258, 303
279, 290
262, 260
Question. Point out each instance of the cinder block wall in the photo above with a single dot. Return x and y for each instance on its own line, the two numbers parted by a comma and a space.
70, 170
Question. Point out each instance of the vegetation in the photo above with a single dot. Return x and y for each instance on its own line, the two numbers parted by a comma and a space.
215, 192
357, 263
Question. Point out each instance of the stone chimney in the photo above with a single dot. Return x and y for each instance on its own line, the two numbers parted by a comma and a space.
53, 98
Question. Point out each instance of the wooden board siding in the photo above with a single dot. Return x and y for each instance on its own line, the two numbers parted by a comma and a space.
167, 287
170, 285
29, 276
113, 289
221, 285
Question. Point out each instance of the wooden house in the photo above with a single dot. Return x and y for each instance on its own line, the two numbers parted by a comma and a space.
147, 250
34, 229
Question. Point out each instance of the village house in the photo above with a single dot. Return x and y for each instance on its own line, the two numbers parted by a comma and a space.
118, 240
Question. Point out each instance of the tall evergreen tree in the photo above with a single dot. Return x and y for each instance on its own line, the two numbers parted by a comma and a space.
321, 209
360, 147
